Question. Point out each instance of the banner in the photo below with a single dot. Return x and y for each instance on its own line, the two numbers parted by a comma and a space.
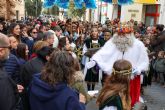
62, 3
107, 1
90, 4
48, 3
78, 4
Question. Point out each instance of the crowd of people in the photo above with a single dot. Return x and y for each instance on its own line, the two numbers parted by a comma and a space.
43, 65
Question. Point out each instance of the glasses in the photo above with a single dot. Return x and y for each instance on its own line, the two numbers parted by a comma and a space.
34, 32
6, 46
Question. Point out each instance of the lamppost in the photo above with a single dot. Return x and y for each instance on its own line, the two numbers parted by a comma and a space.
100, 11
36, 7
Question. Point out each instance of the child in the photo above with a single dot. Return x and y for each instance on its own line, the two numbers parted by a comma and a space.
115, 94
160, 67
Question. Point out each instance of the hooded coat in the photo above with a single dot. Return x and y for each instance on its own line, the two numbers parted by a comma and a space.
58, 97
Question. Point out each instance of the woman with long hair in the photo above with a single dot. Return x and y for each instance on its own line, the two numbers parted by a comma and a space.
13, 44
37, 46
33, 33
50, 90
64, 44
115, 94
15, 30
22, 52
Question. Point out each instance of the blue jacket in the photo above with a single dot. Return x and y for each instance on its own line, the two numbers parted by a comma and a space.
12, 67
59, 97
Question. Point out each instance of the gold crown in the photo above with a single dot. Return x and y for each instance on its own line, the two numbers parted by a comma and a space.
125, 28
122, 72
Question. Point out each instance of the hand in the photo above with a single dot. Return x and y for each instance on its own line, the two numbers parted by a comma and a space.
82, 98
20, 88
136, 72
132, 76
90, 64
93, 96
25, 34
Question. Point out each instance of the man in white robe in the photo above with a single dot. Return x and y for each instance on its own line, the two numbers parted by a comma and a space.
127, 47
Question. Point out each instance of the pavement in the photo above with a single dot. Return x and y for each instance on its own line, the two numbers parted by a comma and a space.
154, 97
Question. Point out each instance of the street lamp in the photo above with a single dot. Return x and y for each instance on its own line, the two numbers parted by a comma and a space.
36, 7
100, 11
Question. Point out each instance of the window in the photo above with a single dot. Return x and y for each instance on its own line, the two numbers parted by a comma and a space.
150, 9
152, 14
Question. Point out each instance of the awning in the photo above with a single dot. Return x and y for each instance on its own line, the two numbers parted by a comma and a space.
146, 1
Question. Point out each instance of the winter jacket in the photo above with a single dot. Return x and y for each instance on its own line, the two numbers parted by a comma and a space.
58, 97
78, 85
12, 68
159, 65
8, 93
33, 66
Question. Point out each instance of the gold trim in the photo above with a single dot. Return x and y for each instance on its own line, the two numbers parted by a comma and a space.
123, 72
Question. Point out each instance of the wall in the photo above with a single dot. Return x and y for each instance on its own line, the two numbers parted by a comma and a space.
133, 11
20, 7
162, 12
143, 13
114, 11
87, 15
106, 11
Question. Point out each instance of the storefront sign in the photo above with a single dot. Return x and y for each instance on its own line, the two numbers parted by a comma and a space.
133, 11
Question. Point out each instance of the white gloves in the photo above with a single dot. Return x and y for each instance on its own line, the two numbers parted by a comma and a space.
90, 64
135, 72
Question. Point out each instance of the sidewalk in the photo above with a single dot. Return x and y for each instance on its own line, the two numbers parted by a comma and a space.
155, 97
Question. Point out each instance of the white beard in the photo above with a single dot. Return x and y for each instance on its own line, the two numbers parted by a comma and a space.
123, 42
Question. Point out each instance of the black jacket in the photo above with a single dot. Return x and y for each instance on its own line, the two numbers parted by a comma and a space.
33, 66
158, 43
8, 91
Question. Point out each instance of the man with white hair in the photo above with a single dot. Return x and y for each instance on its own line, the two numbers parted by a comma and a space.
123, 45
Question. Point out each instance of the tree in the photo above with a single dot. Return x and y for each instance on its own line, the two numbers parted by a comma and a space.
54, 10
33, 7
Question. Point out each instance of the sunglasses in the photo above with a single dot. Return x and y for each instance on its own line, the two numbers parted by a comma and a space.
34, 32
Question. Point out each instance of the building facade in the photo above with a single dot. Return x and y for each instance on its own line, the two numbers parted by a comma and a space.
12, 9
19, 9
150, 12
162, 12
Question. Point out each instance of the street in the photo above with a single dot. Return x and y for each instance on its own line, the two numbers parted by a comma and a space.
154, 97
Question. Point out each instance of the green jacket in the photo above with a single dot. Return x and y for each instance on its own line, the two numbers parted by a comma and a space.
78, 85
